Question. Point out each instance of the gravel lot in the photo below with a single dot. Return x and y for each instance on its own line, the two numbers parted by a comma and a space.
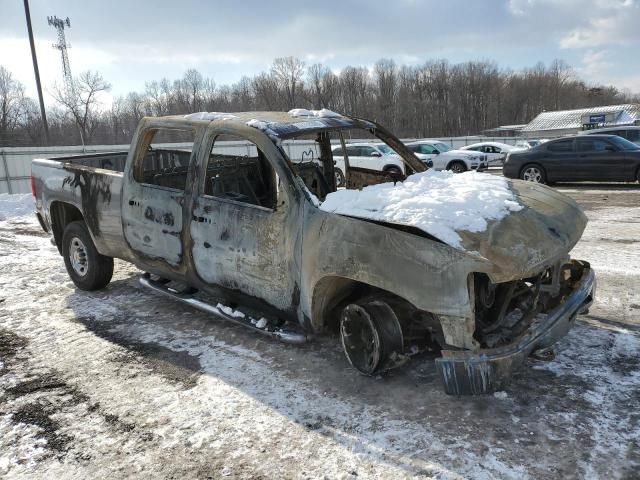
124, 383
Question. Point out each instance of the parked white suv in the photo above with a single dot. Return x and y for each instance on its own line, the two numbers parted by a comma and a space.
373, 156
445, 158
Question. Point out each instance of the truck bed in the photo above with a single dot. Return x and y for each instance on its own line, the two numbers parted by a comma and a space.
90, 184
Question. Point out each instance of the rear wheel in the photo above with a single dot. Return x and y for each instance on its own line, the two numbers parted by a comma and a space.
457, 167
533, 173
339, 177
371, 336
88, 269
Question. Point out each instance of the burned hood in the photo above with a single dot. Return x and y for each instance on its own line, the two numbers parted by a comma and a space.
524, 241
514, 227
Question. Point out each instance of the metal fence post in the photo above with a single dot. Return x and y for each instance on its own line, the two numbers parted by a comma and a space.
6, 172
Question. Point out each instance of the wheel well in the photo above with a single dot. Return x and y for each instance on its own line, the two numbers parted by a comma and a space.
62, 214
389, 167
331, 294
457, 160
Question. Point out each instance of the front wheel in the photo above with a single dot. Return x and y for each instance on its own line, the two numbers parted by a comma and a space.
533, 173
371, 336
457, 167
88, 269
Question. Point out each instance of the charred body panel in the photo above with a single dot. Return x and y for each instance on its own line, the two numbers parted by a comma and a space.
89, 193
428, 274
296, 262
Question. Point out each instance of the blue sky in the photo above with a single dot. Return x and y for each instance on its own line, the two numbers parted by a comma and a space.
133, 42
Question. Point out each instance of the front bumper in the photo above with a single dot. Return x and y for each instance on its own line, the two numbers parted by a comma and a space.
465, 372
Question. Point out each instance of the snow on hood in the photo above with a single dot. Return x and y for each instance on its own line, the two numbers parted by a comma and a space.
16, 205
439, 203
210, 116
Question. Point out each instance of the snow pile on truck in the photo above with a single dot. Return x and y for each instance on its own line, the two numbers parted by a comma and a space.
16, 205
439, 203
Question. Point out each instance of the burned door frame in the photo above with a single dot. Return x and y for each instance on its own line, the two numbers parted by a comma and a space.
154, 217
243, 247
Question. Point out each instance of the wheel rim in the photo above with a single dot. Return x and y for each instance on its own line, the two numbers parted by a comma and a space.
532, 174
78, 256
360, 339
339, 178
457, 168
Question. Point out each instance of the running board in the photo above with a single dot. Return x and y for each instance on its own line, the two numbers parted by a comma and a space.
283, 334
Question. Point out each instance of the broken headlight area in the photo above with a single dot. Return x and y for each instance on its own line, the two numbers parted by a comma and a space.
513, 321
506, 310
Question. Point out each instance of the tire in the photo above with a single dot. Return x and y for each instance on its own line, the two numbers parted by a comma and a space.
87, 268
371, 336
339, 177
532, 172
457, 167
393, 171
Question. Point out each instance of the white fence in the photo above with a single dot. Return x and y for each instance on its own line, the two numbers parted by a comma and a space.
15, 162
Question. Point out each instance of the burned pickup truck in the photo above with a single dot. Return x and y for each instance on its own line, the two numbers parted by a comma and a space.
238, 214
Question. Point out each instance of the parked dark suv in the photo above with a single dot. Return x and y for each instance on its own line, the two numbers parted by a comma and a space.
579, 158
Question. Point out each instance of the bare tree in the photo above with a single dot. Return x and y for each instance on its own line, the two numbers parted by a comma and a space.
429, 100
322, 86
11, 101
288, 72
82, 101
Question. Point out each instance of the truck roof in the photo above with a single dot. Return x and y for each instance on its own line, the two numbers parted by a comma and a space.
283, 124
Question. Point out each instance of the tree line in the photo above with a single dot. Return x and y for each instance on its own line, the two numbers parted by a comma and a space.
434, 99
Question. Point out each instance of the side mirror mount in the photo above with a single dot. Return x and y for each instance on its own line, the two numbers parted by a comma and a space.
436, 152
610, 148
375, 154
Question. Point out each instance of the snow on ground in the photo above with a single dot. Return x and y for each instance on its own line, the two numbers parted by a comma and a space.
122, 383
610, 240
438, 203
16, 205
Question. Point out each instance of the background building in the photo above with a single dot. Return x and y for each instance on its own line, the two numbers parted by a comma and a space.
566, 122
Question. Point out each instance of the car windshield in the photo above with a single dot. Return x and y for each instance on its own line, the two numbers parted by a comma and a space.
442, 147
385, 149
624, 144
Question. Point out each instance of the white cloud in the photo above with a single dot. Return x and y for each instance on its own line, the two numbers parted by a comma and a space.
16, 57
596, 64
520, 7
607, 24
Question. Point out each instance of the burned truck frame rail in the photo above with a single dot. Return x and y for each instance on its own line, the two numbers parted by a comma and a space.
246, 229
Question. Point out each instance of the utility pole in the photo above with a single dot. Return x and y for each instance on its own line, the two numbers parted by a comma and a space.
36, 71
